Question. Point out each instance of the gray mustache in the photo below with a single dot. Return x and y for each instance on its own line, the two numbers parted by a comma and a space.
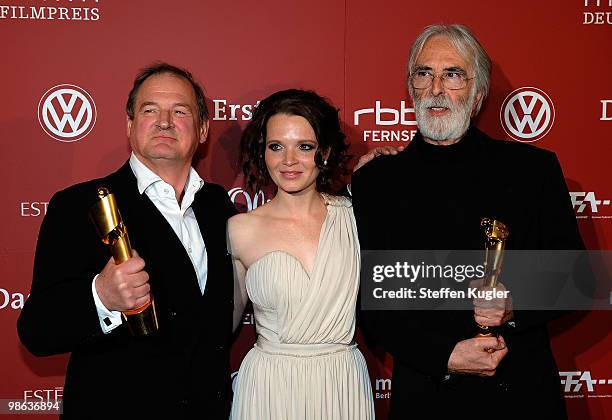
437, 101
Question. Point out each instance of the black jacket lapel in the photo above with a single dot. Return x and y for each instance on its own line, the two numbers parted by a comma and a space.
158, 247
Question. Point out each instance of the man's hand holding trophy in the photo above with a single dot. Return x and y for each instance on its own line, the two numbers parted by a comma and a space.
492, 313
122, 285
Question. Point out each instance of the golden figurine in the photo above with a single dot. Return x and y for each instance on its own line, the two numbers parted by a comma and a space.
141, 321
496, 234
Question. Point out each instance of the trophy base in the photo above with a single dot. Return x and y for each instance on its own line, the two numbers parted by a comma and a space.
484, 331
142, 321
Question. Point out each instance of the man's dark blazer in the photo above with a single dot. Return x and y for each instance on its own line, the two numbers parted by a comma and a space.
433, 197
183, 372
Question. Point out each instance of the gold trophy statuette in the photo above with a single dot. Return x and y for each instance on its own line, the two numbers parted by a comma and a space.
141, 321
496, 234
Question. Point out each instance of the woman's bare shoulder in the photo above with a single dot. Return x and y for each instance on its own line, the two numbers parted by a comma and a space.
245, 225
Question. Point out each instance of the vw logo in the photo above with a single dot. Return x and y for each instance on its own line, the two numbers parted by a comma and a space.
527, 114
67, 113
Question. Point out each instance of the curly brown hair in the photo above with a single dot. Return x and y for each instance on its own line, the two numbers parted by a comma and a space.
324, 120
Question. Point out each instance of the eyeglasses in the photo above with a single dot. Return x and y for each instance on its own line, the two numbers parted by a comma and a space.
451, 79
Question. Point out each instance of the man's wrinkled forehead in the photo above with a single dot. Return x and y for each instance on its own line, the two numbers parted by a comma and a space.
440, 53
166, 84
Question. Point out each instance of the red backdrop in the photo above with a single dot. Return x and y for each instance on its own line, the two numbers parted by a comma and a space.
557, 54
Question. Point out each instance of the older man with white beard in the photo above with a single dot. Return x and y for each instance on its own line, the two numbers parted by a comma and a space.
451, 176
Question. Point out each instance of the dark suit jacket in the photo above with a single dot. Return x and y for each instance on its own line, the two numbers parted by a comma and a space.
433, 197
183, 372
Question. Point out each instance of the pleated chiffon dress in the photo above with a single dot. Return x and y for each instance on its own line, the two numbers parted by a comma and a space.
305, 364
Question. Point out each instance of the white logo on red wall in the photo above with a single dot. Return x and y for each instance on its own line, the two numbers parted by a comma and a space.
606, 113
382, 388
598, 12
577, 383
380, 115
11, 300
51, 394
248, 203
67, 113
234, 378
224, 111
33, 208
56, 10
527, 114
588, 204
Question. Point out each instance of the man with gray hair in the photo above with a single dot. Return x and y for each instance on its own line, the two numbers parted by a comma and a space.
455, 175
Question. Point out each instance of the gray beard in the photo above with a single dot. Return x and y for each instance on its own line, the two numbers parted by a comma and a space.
449, 127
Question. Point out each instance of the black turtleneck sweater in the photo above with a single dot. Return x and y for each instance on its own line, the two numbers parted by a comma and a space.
433, 197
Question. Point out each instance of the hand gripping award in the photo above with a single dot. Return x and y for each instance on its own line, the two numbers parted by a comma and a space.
496, 234
141, 321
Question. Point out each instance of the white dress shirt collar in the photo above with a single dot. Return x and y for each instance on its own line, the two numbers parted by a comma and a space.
145, 177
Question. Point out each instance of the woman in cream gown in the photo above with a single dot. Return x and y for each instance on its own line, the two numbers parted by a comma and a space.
297, 259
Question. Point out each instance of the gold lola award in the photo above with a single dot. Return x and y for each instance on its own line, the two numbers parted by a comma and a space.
496, 234
141, 321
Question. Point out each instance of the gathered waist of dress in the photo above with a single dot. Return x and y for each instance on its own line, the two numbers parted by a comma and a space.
301, 350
